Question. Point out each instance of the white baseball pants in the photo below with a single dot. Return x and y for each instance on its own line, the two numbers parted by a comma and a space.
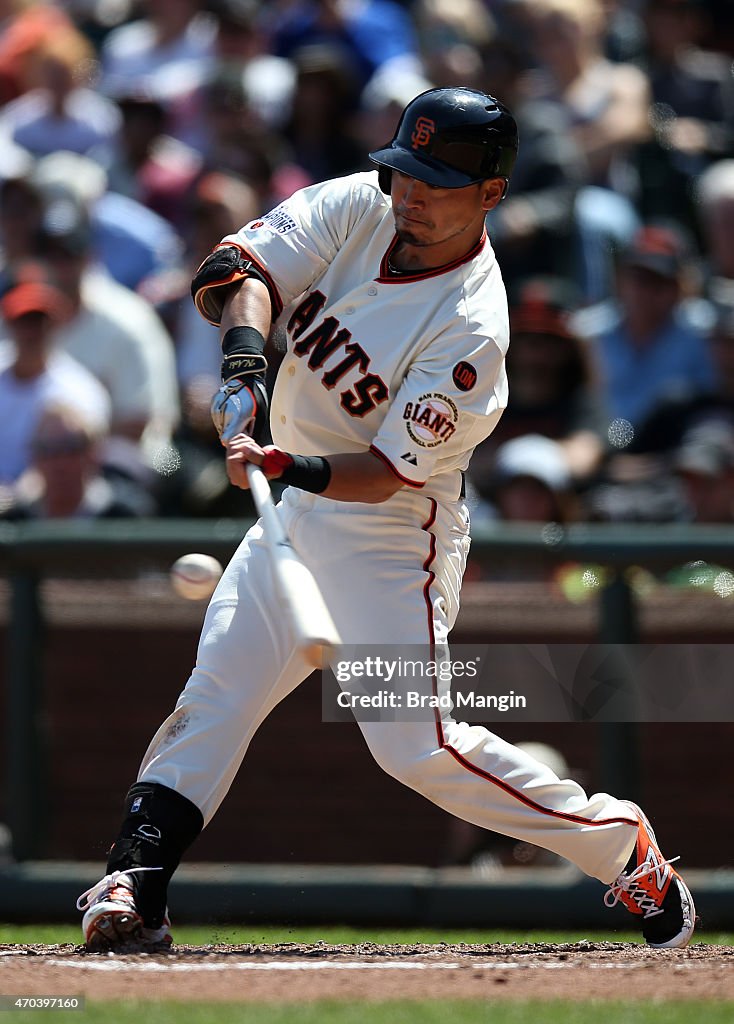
390, 574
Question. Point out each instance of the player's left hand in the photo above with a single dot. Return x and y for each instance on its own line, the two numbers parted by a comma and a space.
240, 406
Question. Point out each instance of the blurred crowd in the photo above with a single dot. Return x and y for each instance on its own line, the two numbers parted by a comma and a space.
134, 134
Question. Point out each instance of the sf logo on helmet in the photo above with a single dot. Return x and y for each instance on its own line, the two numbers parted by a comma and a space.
424, 129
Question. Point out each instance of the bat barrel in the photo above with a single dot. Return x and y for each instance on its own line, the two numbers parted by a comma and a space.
314, 631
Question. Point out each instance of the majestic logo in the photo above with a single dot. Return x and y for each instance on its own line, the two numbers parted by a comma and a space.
410, 458
464, 376
424, 129
431, 420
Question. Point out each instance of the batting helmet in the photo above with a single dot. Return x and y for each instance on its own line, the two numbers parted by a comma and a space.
451, 138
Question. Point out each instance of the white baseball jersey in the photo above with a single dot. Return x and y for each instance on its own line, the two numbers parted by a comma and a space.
410, 365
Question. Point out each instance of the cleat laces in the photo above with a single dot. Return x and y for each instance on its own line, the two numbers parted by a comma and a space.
106, 886
628, 883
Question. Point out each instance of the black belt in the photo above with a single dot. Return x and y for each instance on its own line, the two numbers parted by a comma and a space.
462, 492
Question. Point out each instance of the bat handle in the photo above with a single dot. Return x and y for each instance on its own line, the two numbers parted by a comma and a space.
263, 498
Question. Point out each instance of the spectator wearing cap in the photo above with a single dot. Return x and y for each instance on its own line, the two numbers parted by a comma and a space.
704, 463
66, 480
59, 109
34, 372
532, 483
649, 351
553, 388
139, 248
115, 334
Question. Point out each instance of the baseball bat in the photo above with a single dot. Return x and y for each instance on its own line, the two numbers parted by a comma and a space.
313, 627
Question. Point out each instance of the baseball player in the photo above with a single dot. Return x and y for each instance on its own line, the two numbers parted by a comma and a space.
396, 319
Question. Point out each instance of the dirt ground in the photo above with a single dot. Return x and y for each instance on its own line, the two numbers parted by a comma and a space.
298, 973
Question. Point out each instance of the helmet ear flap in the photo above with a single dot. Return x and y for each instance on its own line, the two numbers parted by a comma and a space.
384, 177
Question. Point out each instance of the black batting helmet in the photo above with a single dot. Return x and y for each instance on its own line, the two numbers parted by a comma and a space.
451, 138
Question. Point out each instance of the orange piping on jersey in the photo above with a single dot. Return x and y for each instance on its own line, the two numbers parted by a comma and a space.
440, 736
410, 483
388, 276
272, 287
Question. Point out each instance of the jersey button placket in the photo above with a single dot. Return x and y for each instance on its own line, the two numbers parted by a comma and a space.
372, 290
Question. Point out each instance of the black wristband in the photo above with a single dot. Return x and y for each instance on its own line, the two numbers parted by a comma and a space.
308, 472
242, 349
243, 339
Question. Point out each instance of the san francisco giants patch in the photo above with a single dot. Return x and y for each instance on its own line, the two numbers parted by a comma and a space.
431, 420
464, 376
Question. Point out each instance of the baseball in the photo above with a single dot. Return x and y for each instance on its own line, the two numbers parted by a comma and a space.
195, 576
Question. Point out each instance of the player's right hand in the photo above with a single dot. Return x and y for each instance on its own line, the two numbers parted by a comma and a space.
241, 449
240, 406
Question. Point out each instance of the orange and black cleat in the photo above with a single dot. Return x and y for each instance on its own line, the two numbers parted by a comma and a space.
650, 888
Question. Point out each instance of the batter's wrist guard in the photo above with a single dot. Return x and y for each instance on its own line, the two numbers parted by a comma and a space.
159, 826
223, 268
307, 472
242, 353
241, 404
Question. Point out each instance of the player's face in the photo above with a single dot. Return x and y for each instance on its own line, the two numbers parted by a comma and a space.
445, 222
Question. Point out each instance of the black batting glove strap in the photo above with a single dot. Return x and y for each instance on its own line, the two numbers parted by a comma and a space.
240, 406
307, 472
242, 349
242, 365
260, 428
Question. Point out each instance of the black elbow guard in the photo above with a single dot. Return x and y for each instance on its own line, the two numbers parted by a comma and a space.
225, 266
